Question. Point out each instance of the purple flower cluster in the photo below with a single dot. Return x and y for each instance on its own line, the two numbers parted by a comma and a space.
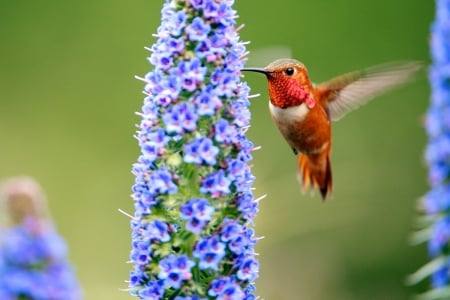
437, 201
33, 263
192, 235
197, 212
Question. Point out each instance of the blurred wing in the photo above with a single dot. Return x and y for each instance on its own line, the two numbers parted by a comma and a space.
345, 93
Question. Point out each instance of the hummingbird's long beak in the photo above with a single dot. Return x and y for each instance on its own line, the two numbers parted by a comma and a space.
258, 70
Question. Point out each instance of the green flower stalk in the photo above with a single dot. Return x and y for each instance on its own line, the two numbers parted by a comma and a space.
192, 230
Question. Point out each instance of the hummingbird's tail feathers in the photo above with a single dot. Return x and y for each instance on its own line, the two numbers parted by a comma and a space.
304, 173
311, 173
326, 188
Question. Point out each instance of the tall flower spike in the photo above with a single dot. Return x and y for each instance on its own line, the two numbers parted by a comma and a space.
192, 235
436, 203
33, 257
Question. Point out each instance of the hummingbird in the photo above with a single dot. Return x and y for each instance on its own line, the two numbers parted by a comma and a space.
303, 111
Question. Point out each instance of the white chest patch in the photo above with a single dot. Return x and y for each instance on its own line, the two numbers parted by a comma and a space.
290, 114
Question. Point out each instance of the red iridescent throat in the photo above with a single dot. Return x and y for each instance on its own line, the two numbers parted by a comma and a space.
287, 92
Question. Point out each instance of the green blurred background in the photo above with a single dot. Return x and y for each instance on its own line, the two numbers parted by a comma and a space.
67, 103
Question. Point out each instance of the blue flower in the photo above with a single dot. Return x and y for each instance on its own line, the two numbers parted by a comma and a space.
440, 278
153, 291
161, 182
247, 205
33, 263
197, 212
216, 184
157, 230
141, 254
192, 73
226, 288
177, 22
224, 132
175, 270
230, 230
197, 4
154, 144
436, 202
180, 117
240, 174
207, 103
248, 269
200, 150
33, 257
194, 206
210, 252
198, 30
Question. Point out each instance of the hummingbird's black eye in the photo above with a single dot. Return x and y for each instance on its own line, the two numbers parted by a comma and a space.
289, 71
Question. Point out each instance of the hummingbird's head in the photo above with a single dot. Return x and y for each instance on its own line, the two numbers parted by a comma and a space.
288, 82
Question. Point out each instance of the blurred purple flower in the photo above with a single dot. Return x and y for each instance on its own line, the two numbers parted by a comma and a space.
436, 202
33, 263
33, 256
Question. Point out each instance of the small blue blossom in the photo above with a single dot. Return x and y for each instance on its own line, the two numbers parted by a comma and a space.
197, 212
216, 184
180, 118
247, 205
198, 30
201, 150
224, 132
157, 230
175, 270
191, 73
248, 269
210, 252
141, 254
163, 60
197, 4
161, 182
440, 278
240, 174
436, 200
153, 291
154, 144
207, 103
230, 230
177, 22
226, 288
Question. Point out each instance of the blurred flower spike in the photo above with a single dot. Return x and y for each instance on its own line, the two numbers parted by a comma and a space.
436, 203
33, 257
192, 230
